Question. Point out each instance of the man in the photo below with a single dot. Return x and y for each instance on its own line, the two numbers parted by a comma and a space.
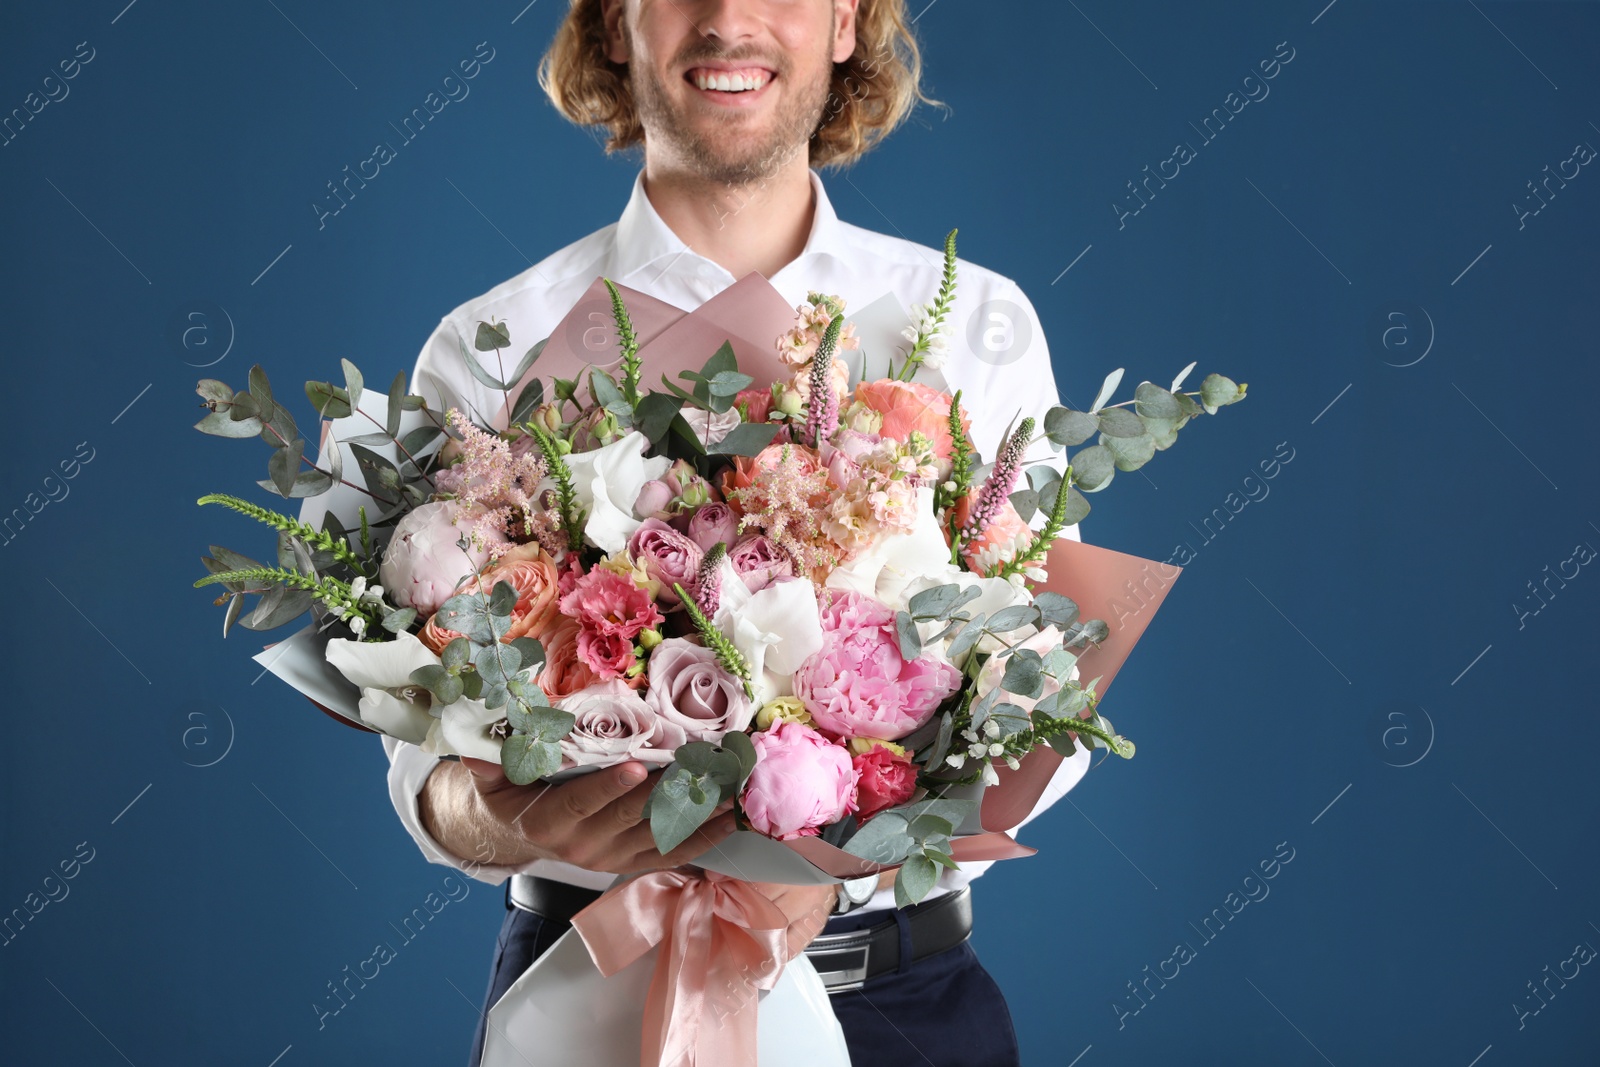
734, 103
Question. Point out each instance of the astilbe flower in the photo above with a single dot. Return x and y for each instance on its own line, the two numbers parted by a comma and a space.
788, 502
501, 480
1002, 479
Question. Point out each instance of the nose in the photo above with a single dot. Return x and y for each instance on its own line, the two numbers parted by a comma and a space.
728, 21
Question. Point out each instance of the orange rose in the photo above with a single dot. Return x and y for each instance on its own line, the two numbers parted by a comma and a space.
563, 672
532, 573
908, 406
743, 473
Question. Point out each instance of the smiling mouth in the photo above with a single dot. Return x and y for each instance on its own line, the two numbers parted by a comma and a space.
729, 82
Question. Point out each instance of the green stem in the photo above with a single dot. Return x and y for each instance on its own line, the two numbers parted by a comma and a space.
631, 365
313, 538
332, 592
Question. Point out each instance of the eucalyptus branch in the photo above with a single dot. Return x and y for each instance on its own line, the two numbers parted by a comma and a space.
402, 447
306, 460
313, 537
731, 659
631, 366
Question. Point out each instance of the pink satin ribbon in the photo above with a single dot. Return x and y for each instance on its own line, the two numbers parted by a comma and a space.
721, 941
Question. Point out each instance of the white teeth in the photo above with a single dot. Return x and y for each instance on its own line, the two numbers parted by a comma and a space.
729, 83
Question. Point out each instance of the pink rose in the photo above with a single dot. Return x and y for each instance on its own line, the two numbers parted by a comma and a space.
755, 402
667, 556
858, 684
759, 562
615, 725
423, 565
689, 687
801, 782
713, 524
884, 779
563, 673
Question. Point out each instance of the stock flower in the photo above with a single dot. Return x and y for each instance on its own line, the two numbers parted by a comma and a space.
888, 563
858, 684
615, 725
801, 782
667, 556
689, 687
884, 778
423, 564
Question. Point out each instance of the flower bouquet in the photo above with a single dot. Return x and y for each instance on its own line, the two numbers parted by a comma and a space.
785, 585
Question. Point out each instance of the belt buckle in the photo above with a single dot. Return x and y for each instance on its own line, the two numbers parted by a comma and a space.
841, 959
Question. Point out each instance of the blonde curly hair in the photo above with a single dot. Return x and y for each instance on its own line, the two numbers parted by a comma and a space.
870, 93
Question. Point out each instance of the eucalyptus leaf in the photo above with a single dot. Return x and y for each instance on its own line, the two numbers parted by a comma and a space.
1107, 388
222, 424
882, 839
916, 878
1056, 610
1131, 452
910, 639
674, 813
1120, 422
1093, 467
1177, 382
1152, 401
526, 759
746, 439
1066, 428
491, 336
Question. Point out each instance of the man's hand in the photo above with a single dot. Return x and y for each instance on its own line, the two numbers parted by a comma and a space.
592, 821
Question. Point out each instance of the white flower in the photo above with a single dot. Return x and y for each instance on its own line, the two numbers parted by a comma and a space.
891, 564
775, 629
607, 481
464, 731
990, 775
711, 428
390, 701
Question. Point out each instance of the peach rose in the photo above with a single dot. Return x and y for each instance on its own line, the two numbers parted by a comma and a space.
532, 573
999, 543
908, 406
564, 673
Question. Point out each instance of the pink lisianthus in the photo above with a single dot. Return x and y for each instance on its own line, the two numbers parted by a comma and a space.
801, 782
667, 556
610, 611
884, 778
858, 684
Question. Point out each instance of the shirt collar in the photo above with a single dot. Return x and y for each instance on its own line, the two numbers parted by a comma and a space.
643, 238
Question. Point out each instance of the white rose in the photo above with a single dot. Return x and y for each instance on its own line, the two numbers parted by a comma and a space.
709, 427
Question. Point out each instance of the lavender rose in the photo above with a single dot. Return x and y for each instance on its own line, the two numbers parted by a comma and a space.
667, 556
613, 726
688, 687
713, 524
759, 562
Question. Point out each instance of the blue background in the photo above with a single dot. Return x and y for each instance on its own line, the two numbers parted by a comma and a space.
1343, 667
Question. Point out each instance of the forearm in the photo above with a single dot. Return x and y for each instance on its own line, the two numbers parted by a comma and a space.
454, 813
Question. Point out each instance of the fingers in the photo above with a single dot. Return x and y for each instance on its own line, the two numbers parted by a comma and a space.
588, 794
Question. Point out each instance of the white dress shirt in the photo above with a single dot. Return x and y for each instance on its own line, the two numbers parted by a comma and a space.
997, 357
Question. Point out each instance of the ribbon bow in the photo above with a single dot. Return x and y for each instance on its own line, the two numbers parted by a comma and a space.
721, 941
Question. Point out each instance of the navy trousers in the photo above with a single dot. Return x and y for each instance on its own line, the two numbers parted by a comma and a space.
944, 1011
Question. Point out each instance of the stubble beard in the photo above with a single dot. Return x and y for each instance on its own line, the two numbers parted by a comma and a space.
720, 155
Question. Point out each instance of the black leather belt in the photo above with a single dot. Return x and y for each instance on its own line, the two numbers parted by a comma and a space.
844, 960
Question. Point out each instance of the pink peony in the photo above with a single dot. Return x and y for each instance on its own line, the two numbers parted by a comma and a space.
667, 556
690, 688
858, 684
801, 782
759, 562
615, 725
884, 779
713, 524
423, 565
